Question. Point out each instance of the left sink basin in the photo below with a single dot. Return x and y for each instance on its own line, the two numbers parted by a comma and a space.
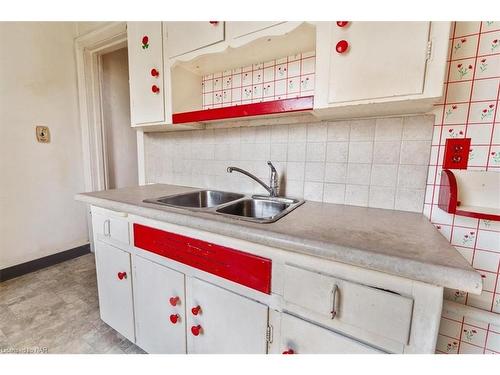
197, 199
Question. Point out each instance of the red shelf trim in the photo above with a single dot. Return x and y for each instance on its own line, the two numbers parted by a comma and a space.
448, 198
240, 267
255, 109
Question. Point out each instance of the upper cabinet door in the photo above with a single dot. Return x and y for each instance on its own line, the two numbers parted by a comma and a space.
185, 37
145, 56
222, 322
235, 29
371, 60
159, 308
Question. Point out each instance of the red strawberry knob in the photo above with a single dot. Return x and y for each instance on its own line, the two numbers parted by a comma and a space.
145, 42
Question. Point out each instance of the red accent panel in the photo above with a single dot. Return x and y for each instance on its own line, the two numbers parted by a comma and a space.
242, 268
448, 192
456, 153
255, 109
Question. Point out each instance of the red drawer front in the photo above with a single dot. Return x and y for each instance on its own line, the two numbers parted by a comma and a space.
242, 268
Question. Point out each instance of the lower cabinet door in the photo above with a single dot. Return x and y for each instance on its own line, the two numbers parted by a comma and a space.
301, 337
159, 308
223, 322
114, 283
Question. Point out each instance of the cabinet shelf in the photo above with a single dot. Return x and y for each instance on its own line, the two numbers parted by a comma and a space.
254, 109
470, 193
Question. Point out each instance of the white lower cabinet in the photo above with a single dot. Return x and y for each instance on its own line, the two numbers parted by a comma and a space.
225, 322
298, 336
159, 308
114, 281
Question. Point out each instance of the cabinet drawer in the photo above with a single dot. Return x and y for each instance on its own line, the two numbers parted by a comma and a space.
111, 227
240, 267
187, 36
377, 311
301, 337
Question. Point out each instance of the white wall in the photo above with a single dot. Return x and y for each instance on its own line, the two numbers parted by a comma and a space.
379, 163
120, 137
38, 215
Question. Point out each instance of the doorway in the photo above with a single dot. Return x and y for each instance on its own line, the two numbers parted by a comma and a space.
119, 138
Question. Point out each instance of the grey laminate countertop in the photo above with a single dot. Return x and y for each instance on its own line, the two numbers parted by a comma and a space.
399, 243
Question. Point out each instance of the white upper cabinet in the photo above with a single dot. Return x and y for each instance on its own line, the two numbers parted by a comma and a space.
146, 73
236, 29
183, 37
382, 59
369, 64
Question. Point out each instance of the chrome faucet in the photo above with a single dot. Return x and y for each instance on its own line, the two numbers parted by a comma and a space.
273, 184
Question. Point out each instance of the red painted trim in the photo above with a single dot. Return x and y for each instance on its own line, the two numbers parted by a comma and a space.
448, 192
255, 109
478, 215
242, 268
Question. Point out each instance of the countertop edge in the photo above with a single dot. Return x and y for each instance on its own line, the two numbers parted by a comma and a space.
449, 277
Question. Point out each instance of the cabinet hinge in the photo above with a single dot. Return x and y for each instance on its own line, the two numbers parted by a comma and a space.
269, 334
429, 50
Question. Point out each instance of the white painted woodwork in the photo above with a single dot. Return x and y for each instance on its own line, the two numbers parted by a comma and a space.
374, 310
231, 323
115, 295
145, 106
234, 317
187, 36
110, 226
306, 338
478, 191
237, 29
390, 68
384, 59
154, 285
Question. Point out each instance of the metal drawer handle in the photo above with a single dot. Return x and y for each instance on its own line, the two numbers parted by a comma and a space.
334, 301
107, 227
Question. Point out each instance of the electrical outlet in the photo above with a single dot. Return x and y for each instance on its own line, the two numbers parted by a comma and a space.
42, 134
456, 153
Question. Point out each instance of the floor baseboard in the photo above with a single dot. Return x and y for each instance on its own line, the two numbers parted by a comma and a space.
38, 264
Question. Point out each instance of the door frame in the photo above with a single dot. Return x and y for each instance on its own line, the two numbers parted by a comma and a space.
89, 49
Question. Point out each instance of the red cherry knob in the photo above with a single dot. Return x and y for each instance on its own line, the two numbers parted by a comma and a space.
174, 318
145, 39
155, 89
195, 330
122, 275
196, 310
214, 23
342, 46
174, 301
155, 73
342, 23
289, 351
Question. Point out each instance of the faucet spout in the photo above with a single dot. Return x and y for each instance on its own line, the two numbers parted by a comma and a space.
272, 188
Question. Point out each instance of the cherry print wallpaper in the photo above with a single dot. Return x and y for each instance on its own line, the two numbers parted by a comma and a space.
469, 109
287, 77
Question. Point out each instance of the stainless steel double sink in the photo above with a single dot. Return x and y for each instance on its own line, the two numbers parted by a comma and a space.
256, 208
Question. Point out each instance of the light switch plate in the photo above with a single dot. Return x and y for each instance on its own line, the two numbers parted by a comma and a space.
456, 153
42, 134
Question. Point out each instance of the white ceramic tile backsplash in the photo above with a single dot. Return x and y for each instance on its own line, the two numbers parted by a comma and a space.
376, 162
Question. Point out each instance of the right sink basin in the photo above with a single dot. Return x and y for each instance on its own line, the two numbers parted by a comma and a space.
260, 209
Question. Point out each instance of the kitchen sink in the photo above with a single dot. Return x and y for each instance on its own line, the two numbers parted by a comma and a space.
257, 208
197, 199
